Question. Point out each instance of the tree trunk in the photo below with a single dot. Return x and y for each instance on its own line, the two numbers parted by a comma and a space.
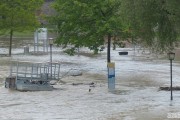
109, 49
10, 42
134, 45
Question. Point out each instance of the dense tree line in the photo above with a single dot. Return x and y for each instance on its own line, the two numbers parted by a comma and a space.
153, 23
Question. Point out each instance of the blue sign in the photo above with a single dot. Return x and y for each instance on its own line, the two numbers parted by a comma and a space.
111, 76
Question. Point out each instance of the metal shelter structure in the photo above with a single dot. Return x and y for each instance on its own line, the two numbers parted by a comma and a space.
32, 76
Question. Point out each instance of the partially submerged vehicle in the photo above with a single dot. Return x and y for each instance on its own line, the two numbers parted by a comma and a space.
32, 76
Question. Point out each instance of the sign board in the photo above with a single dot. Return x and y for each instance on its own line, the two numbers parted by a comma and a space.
41, 39
42, 33
111, 76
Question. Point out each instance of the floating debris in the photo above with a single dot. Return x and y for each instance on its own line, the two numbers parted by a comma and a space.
75, 72
168, 88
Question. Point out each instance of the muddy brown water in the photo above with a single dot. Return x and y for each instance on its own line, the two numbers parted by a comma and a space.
136, 96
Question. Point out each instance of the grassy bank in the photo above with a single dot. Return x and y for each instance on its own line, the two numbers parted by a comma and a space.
17, 34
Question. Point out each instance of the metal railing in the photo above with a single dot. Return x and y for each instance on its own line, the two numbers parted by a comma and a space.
24, 70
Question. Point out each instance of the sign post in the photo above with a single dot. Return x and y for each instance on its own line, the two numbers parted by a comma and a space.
111, 76
40, 39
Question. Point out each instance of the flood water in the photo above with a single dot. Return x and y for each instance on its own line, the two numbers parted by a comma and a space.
136, 97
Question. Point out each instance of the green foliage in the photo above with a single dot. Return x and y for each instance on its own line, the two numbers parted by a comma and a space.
154, 22
86, 22
19, 15
70, 51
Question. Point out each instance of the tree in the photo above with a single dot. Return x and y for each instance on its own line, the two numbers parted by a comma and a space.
87, 22
18, 15
155, 22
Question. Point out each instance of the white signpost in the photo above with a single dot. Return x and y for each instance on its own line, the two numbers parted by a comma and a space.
41, 39
42, 33
111, 76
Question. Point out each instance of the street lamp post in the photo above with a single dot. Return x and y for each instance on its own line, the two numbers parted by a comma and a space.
171, 57
51, 40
